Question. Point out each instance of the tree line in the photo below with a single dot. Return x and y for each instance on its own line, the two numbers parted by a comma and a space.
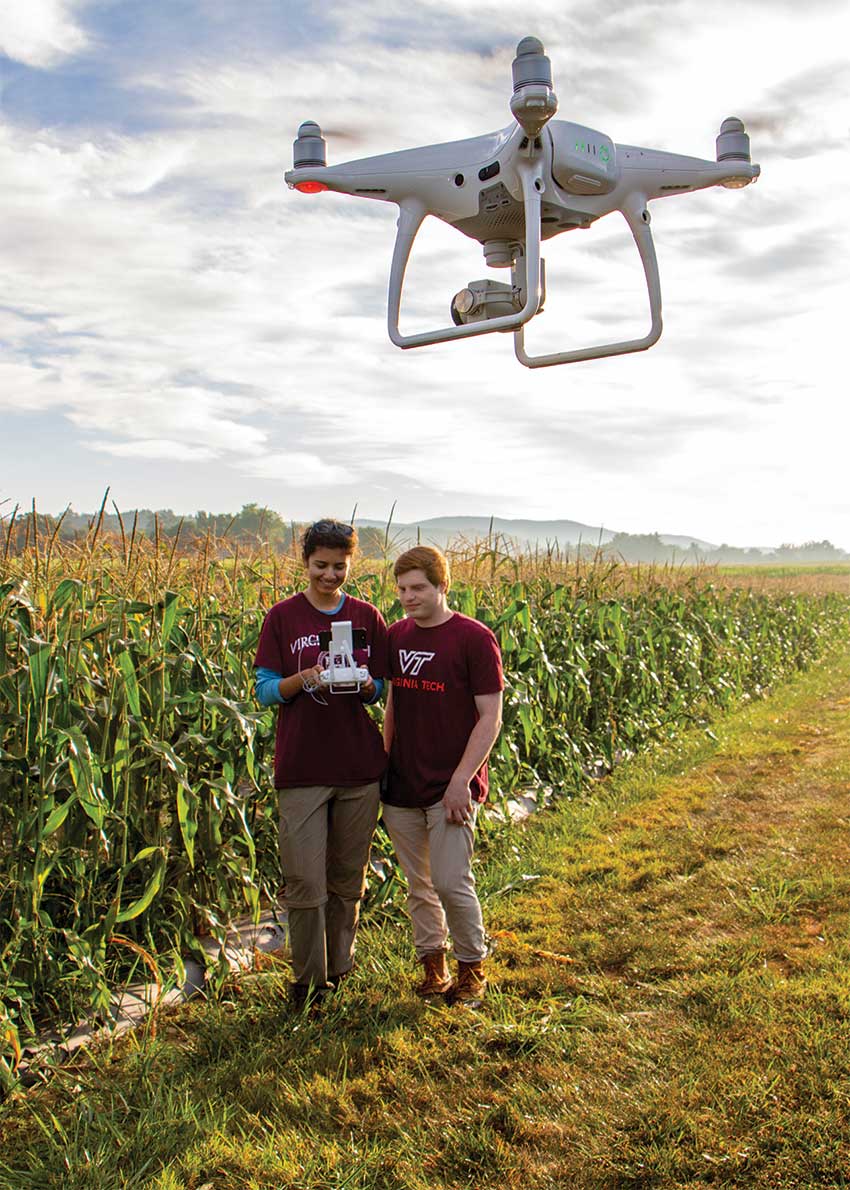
257, 525
253, 525
648, 547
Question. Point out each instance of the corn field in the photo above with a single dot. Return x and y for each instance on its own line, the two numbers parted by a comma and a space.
136, 802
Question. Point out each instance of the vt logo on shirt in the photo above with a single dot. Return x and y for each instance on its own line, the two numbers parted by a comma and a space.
412, 660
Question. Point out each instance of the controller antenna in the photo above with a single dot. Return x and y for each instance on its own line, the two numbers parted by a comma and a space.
533, 101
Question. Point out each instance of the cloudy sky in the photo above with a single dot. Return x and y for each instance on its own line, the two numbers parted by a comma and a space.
176, 324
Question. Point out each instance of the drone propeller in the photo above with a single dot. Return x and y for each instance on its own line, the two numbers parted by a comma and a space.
350, 136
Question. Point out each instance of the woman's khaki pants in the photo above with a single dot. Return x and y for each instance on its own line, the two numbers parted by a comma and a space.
325, 835
436, 856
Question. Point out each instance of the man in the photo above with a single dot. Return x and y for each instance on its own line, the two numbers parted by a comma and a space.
444, 711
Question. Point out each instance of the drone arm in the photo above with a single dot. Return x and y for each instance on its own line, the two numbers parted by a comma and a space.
411, 213
637, 216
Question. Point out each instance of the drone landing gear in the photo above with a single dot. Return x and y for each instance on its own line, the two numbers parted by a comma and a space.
638, 219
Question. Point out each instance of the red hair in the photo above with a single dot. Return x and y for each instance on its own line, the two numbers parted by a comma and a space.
429, 560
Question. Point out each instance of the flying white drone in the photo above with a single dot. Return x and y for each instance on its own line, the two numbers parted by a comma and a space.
511, 189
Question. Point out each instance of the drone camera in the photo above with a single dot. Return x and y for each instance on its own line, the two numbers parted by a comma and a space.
484, 299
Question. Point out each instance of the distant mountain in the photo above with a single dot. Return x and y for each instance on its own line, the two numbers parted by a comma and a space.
527, 534
685, 543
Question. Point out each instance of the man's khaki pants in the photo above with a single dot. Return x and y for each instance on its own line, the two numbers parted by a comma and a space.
325, 835
436, 856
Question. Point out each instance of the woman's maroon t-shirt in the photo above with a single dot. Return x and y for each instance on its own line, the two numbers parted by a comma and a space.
329, 739
436, 673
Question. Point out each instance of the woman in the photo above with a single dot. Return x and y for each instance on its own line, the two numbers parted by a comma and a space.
329, 758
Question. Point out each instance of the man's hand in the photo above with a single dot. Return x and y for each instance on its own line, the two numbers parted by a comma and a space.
457, 801
367, 689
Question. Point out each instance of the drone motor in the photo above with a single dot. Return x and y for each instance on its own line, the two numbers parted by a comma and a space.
733, 144
533, 102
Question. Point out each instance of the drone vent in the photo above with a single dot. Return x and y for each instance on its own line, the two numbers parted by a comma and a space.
505, 219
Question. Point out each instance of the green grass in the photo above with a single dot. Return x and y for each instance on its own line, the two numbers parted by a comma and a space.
671, 1008
785, 570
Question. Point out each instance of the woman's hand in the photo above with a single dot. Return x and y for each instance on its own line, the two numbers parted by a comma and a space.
311, 676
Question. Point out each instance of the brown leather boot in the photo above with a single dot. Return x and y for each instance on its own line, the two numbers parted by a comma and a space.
437, 978
470, 986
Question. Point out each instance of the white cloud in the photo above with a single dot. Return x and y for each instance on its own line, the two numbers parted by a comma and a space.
154, 448
24, 387
157, 411
40, 32
298, 468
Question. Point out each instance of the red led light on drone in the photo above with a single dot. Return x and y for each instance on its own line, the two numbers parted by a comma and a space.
310, 187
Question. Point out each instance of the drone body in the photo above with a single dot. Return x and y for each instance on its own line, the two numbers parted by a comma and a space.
512, 189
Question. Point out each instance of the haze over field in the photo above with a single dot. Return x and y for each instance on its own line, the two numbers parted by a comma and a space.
536, 542
176, 324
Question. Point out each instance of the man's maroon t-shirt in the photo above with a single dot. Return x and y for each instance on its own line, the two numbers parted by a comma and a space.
436, 673
323, 739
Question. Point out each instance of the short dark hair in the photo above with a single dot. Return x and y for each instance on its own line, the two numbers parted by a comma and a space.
328, 534
427, 559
